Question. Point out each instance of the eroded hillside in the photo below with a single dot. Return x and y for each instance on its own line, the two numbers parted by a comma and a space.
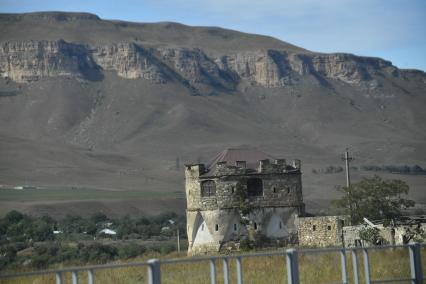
86, 102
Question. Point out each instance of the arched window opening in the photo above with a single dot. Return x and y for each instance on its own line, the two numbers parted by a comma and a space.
255, 226
216, 227
255, 187
208, 188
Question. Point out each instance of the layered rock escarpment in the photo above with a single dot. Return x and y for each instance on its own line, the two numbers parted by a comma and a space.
31, 60
129, 61
26, 61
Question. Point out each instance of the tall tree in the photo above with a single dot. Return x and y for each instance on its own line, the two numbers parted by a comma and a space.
374, 198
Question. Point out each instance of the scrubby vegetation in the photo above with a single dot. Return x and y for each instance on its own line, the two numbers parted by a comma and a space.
374, 198
398, 169
395, 169
43, 241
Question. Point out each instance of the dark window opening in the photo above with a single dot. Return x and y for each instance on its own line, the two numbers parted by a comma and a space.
314, 228
255, 187
216, 227
255, 225
281, 225
232, 189
208, 188
275, 190
329, 227
235, 227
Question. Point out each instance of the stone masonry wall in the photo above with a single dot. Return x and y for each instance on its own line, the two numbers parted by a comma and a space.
320, 231
282, 186
274, 213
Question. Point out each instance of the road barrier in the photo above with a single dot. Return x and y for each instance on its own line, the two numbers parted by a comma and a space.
154, 266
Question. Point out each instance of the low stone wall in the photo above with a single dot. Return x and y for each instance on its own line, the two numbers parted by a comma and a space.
320, 231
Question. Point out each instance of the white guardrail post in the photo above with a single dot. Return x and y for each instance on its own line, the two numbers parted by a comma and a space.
212, 271
415, 264
239, 270
74, 277
90, 277
366, 266
292, 266
154, 272
343, 266
58, 278
225, 271
355, 266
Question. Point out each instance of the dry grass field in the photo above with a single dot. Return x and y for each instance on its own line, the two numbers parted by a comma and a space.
313, 268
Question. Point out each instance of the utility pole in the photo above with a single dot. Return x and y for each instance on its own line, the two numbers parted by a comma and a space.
347, 159
178, 240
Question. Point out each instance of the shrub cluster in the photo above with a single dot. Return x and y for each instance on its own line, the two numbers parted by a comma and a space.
20, 232
397, 169
404, 169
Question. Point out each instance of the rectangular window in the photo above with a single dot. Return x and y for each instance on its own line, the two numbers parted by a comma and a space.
208, 188
235, 227
217, 227
254, 187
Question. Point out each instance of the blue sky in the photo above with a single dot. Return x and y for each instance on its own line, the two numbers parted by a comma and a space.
391, 29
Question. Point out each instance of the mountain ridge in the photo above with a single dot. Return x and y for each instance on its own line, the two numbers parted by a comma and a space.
81, 104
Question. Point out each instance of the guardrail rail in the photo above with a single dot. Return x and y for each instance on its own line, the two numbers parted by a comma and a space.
292, 265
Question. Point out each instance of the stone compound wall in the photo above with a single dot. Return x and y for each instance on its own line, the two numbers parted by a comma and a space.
321, 231
352, 238
215, 222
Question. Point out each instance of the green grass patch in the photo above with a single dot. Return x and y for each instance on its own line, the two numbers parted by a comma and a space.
75, 194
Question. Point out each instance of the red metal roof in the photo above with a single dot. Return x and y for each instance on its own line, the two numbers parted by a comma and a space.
252, 156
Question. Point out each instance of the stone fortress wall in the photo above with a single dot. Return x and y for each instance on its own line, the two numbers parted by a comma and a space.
322, 231
268, 191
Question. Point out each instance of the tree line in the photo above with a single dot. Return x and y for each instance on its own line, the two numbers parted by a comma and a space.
40, 241
396, 169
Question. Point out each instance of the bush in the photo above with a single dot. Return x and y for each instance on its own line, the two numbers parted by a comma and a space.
97, 252
13, 217
50, 249
130, 250
40, 261
246, 244
371, 235
262, 240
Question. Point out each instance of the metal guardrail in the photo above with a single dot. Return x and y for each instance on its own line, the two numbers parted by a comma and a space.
291, 256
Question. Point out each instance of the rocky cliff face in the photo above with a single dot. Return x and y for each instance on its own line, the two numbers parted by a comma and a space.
32, 60
27, 61
129, 61
109, 104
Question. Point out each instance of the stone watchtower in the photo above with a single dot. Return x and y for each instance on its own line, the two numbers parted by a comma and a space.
242, 193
